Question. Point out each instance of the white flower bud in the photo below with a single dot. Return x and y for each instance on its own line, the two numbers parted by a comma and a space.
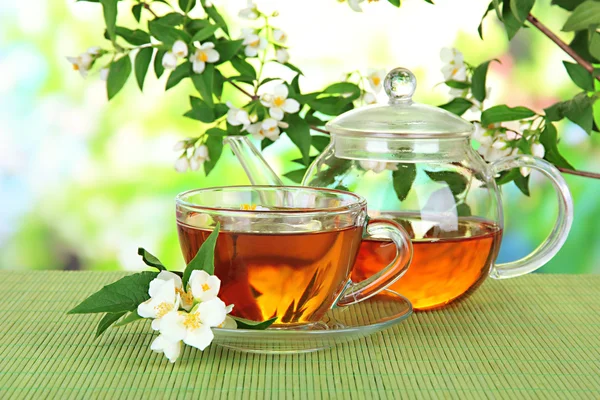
104, 74
169, 61
180, 49
282, 56
182, 164
279, 36
179, 145
537, 149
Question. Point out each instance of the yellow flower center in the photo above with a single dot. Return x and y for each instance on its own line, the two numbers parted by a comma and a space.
248, 206
187, 298
162, 309
205, 287
255, 43
75, 67
202, 56
454, 71
192, 321
376, 80
272, 129
278, 101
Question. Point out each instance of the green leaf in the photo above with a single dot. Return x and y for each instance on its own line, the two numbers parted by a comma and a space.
171, 19
504, 113
150, 259
215, 16
496, 4
200, 111
581, 44
158, 67
478, 81
220, 110
194, 25
403, 179
296, 175
204, 84
120, 296
215, 149
166, 33
205, 33
581, 113
109, 9
299, 133
141, 64
480, 27
270, 79
205, 258
107, 321
580, 76
320, 142
186, 5
568, 5
585, 15
455, 181
218, 81
594, 47
117, 76
182, 71
349, 90
243, 323
227, 49
457, 84
549, 139
131, 317
216, 132
136, 37
522, 182
294, 68
463, 210
521, 9
554, 112
395, 2
457, 106
243, 67
333, 105
136, 10
511, 24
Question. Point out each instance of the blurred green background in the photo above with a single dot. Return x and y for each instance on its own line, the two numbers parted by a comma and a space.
84, 182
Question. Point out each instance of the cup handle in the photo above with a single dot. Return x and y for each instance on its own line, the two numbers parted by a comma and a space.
557, 237
358, 291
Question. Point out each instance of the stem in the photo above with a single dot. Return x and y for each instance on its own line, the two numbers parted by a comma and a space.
314, 128
252, 96
587, 174
147, 7
542, 28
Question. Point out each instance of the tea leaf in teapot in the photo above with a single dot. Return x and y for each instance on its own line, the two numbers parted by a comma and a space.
150, 259
455, 181
403, 179
205, 258
243, 323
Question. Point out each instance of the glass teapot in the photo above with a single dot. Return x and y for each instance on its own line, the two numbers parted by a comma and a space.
414, 163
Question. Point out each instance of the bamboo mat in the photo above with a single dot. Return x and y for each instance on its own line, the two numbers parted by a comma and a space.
532, 337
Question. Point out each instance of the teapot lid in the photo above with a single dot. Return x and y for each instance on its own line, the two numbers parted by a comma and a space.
401, 117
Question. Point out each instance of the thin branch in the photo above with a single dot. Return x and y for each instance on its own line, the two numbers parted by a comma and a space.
147, 7
314, 128
587, 174
566, 48
253, 97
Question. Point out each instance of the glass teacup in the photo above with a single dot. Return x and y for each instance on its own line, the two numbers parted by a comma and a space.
287, 252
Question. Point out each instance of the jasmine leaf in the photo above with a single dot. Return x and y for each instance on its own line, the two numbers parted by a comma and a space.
496, 4
568, 5
294, 68
131, 317
504, 113
136, 10
296, 175
479, 80
107, 321
455, 181
349, 90
158, 67
594, 47
522, 182
200, 111
150, 259
215, 148
227, 49
109, 9
457, 106
204, 84
120, 296
117, 76
457, 84
480, 27
205, 258
243, 323
549, 138
171, 19
320, 142
581, 43
521, 9
299, 133
585, 15
141, 64
463, 210
205, 33
580, 76
182, 71
243, 67
135, 37
403, 179
186, 5
215, 16
218, 81
395, 3
511, 24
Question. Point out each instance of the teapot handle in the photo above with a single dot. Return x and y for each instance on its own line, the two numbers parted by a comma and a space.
543, 253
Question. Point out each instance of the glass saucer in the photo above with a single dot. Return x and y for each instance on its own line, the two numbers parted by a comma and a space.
339, 325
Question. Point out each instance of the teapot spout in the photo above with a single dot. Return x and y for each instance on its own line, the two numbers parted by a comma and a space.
252, 161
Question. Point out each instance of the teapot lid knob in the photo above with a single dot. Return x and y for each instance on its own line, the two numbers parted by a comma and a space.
400, 85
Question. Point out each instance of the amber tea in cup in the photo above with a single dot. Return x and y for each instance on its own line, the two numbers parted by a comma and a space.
286, 252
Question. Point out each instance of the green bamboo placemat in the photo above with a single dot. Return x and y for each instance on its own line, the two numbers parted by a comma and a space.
533, 337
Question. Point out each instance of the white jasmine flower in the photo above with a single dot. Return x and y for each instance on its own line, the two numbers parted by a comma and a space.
200, 156
454, 68
355, 5
81, 63
205, 53
279, 36
104, 74
269, 128
163, 299
537, 150
172, 350
186, 299
282, 55
182, 144
94, 50
169, 60
229, 323
254, 43
369, 98
278, 102
375, 78
204, 287
490, 148
249, 12
194, 328
377, 166
180, 49
182, 164
236, 116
